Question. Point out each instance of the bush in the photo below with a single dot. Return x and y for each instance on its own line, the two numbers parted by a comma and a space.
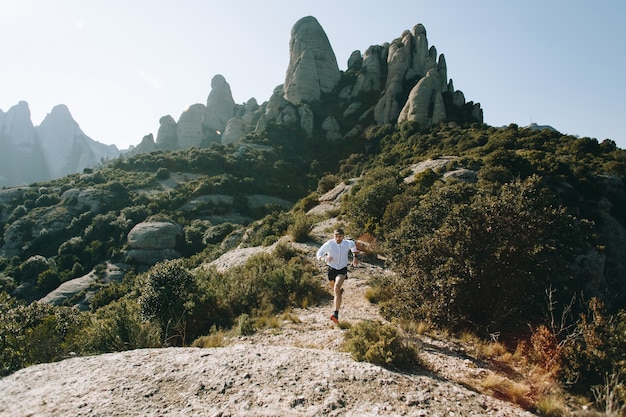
476, 256
381, 345
116, 327
167, 295
301, 227
596, 348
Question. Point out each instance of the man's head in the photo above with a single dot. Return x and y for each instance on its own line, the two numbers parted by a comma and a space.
339, 234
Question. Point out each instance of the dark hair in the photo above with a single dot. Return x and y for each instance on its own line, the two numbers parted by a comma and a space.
339, 232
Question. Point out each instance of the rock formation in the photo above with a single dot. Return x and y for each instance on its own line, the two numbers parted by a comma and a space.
166, 136
66, 147
21, 157
220, 106
189, 132
312, 66
425, 104
152, 242
55, 148
147, 145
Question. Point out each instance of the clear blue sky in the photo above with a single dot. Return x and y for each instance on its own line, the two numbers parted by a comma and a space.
120, 65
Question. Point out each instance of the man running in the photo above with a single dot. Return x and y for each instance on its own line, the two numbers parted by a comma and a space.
336, 252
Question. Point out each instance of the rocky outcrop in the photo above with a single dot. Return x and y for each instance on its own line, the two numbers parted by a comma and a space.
425, 103
21, 158
147, 145
166, 136
245, 121
66, 147
220, 106
55, 148
313, 68
152, 242
189, 128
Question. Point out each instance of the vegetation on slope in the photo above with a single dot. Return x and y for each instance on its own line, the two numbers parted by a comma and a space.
512, 251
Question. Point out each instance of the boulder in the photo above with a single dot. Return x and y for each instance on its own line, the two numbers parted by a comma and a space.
152, 256
313, 68
154, 235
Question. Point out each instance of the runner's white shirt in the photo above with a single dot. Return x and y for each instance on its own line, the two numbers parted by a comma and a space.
337, 251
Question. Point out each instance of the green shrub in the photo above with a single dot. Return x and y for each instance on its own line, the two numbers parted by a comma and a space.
245, 325
480, 256
380, 344
167, 295
301, 227
116, 327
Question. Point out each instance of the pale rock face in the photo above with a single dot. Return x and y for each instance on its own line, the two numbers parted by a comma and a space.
21, 158
275, 104
355, 61
220, 106
419, 61
53, 149
371, 76
419, 107
166, 135
189, 128
245, 121
154, 235
313, 68
234, 130
147, 145
398, 70
306, 119
17, 127
66, 147
331, 127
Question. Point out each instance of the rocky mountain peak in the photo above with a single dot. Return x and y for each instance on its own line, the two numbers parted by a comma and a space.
55, 148
313, 68
220, 106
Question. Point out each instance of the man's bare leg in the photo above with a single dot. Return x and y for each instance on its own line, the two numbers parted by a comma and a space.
338, 283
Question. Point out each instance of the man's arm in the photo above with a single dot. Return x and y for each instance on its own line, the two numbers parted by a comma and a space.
355, 260
322, 251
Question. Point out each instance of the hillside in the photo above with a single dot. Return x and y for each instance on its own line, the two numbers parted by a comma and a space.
298, 368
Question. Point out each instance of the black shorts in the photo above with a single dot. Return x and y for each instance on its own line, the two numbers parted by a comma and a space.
332, 273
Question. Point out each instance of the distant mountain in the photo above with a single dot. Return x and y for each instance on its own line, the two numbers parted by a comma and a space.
55, 148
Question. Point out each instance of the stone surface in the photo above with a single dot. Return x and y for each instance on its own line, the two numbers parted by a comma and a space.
425, 103
189, 129
220, 106
147, 145
166, 135
154, 235
55, 148
313, 68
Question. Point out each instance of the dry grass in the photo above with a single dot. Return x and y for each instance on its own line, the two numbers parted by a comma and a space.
506, 389
212, 340
551, 405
